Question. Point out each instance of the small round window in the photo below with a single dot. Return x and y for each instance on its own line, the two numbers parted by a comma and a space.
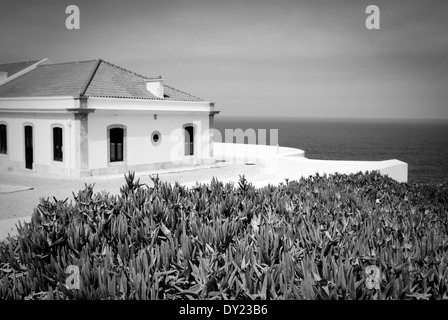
156, 137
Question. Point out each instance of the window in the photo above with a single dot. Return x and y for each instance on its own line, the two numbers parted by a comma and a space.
3, 139
116, 144
189, 140
57, 144
156, 137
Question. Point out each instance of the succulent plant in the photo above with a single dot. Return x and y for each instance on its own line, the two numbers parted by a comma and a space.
358, 236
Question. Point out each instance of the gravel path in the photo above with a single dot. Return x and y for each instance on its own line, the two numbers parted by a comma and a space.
20, 204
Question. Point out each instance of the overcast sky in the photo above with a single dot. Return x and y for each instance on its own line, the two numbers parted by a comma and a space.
264, 58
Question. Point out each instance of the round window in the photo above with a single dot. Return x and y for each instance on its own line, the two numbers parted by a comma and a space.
156, 137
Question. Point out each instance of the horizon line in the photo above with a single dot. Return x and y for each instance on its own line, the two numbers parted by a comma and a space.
332, 118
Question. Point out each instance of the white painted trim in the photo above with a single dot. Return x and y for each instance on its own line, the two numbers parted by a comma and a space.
117, 104
41, 105
157, 110
118, 112
38, 98
151, 100
34, 111
156, 106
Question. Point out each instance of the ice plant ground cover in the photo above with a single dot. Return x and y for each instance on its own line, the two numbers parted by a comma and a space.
359, 236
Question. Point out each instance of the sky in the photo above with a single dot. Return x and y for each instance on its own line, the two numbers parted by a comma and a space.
312, 58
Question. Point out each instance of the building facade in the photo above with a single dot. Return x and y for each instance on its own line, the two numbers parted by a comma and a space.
95, 118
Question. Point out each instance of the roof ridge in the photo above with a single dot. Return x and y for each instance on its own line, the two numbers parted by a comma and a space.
189, 94
90, 78
127, 70
68, 62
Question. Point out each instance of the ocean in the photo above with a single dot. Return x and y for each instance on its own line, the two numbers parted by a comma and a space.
423, 144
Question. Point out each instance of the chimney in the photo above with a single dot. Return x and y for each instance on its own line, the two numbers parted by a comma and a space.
3, 75
155, 86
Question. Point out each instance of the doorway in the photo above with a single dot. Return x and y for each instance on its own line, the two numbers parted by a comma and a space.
29, 147
189, 140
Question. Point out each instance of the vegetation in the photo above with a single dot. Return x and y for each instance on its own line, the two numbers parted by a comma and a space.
317, 238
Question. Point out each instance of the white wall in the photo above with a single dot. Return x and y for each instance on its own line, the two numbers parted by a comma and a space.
136, 115
42, 113
42, 139
139, 127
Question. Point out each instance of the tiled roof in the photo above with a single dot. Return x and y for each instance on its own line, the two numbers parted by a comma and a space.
61, 79
93, 78
175, 94
116, 82
13, 68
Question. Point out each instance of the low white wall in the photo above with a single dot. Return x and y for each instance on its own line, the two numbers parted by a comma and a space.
290, 163
294, 168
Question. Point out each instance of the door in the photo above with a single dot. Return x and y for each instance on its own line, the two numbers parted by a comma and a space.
29, 147
116, 144
189, 141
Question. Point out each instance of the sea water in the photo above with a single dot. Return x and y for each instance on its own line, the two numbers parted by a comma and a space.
423, 144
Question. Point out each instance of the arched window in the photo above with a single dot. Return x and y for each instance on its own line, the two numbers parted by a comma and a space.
3, 139
57, 144
116, 143
189, 140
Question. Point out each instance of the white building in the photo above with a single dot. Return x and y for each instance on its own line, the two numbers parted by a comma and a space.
94, 118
